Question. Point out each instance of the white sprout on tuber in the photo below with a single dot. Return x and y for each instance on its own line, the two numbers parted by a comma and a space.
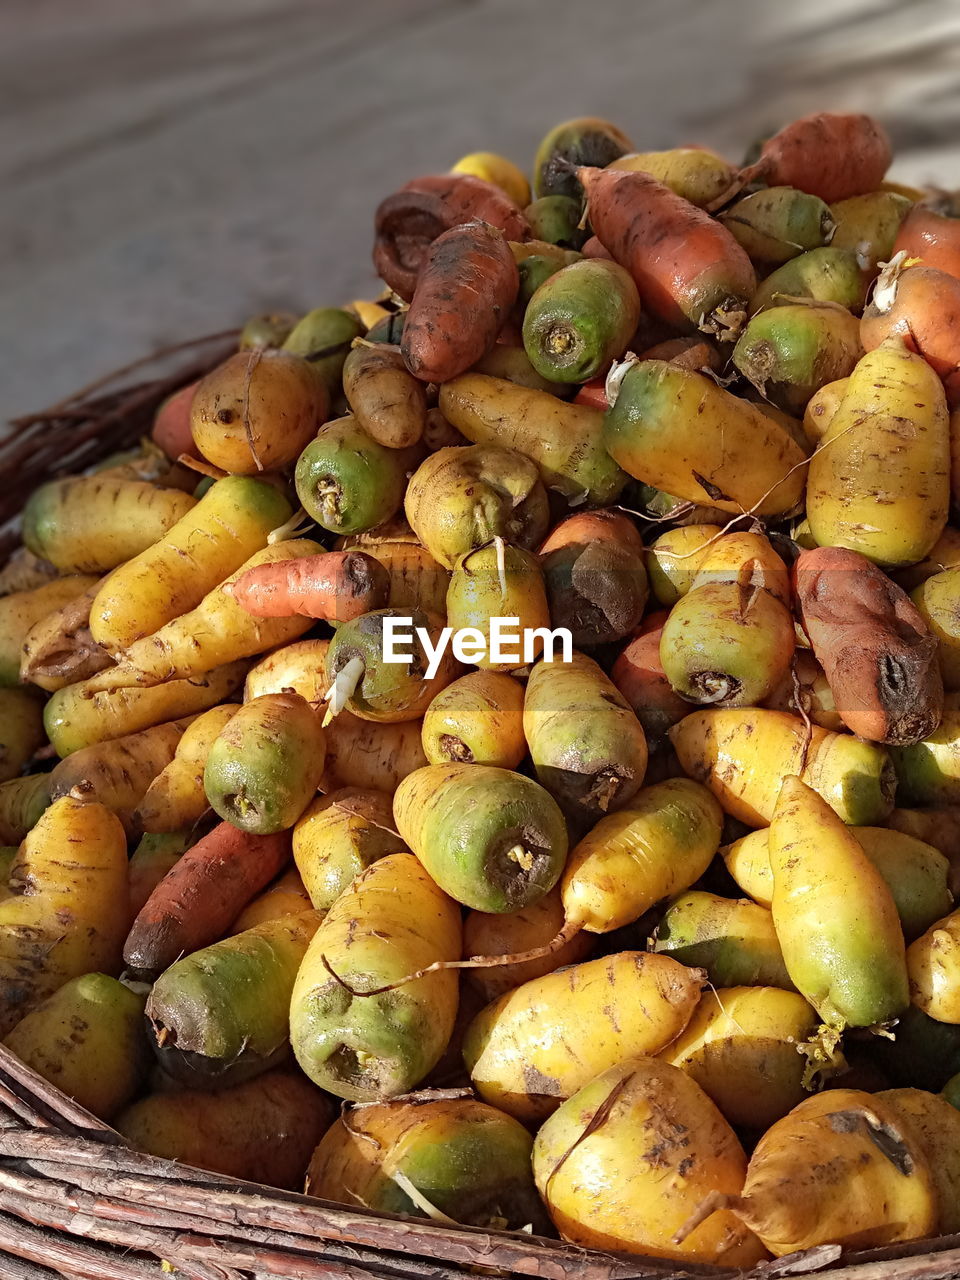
618, 371
342, 689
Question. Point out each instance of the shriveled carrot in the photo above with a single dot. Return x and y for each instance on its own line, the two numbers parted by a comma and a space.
408, 222
932, 234
689, 269
336, 586
877, 651
827, 155
200, 897
921, 305
465, 289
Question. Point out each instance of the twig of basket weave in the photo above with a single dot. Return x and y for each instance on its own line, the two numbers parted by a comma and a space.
80, 431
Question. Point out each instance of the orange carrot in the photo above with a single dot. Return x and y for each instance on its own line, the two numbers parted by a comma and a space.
171, 427
466, 287
408, 222
689, 269
200, 897
922, 306
830, 156
336, 586
932, 234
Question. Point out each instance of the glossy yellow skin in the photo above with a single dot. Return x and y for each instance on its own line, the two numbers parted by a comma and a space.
834, 915
477, 593
118, 773
945, 554
477, 719
87, 1039
462, 496
23, 609
741, 1047
915, 872
88, 524
742, 755
86, 713
631, 860
227, 526
391, 922
745, 557
937, 1125
733, 939
669, 425
818, 1176
821, 407
176, 797
938, 599
21, 730
634, 1181
537, 1045
587, 745
298, 666
869, 224
70, 916
490, 934
339, 835
564, 440
699, 176
287, 896
928, 772
218, 630
503, 173
363, 754
933, 963
880, 481
727, 643
673, 559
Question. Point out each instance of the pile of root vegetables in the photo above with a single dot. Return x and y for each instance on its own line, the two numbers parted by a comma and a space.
653, 947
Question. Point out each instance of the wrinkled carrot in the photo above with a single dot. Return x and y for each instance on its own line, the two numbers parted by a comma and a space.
408, 222
877, 652
827, 155
202, 894
336, 586
921, 305
466, 287
689, 269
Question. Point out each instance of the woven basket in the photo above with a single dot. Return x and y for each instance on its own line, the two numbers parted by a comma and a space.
76, 1201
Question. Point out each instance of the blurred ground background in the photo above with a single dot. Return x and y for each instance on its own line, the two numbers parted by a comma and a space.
168, 169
